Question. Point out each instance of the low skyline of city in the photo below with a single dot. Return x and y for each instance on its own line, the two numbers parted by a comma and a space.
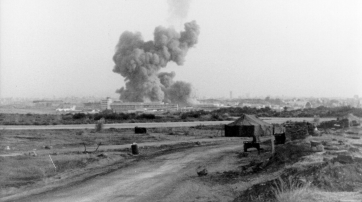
199, 98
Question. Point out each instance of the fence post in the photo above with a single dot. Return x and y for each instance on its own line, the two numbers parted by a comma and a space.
272, 141
272, 144
52, 163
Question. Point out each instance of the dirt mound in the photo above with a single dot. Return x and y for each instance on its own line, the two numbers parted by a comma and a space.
201, 171
263, 163
339, 177
284, 154
298, 130
258, 193
328, 176
341, 173
290, 153
323, 175
334, 124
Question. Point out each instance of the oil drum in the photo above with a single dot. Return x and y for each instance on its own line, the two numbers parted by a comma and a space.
134, 148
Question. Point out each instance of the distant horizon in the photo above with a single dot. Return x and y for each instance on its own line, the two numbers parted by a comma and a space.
198, 98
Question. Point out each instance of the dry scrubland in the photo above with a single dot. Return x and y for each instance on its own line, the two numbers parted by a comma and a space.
13, 110
110, 117
296, 172
32, 165
306, 174
47, 117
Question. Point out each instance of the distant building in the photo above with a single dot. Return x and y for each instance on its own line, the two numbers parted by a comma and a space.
253, 105
308, 105
106, 104
47, 103
92, 105
118, 106
277, 108
356, 102
69, 109
206, 107
210, 101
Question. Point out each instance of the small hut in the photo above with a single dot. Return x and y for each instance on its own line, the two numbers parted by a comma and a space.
249, 126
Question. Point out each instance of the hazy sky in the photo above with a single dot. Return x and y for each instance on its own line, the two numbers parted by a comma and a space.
292, 48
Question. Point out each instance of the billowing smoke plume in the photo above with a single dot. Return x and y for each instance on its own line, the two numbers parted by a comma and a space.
140, 62
175, 92
179, 92
166, 78
178, 10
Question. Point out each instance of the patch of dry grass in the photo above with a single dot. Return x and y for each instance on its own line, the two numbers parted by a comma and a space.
309, 194
70, 162
302, 194
22, 170
292, 191
27, 140
18, 171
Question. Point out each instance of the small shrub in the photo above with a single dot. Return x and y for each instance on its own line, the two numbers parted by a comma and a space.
98, 117
294, 191
79, 116
100, 125
79, 132
27, 174
146, 116
63, 165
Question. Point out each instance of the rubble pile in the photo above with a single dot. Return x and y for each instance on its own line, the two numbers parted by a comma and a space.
339, 174
337, 124
291, 152
338, 169
298, 130
201, 171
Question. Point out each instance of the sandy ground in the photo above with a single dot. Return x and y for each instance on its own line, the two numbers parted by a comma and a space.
169, 177
105, 148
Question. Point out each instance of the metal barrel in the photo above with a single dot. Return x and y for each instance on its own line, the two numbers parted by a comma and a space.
134, 148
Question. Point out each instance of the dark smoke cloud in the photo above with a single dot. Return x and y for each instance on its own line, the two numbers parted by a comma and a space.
179, 92
140, 62
166, 78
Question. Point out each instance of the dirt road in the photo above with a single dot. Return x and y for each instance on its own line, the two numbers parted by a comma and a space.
169, 177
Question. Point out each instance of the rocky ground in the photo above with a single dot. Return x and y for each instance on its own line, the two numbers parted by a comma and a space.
331, 163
